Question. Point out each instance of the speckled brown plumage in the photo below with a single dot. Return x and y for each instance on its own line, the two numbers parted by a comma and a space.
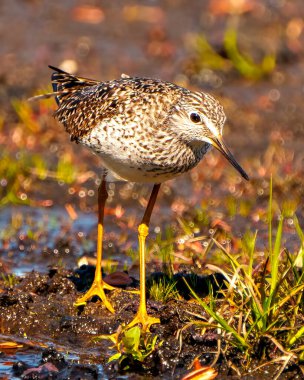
84, 103
143, 129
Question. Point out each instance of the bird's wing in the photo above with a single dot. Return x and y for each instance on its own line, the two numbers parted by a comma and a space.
84, 103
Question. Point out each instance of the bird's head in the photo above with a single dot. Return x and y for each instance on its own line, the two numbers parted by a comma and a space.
198, 119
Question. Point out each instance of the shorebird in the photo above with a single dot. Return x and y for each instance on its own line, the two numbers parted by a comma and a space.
144, 130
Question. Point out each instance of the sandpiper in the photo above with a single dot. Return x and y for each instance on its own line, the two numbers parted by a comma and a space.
144, 130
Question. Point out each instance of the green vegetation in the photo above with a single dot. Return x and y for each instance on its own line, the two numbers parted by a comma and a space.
207, 57
20, 167
244, 64
163, 290
260, 308
263, 304
10, 280
132, 345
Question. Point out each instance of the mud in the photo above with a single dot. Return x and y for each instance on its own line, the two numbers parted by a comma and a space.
38, 313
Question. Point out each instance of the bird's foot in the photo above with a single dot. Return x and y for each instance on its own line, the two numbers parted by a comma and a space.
97, 289
144, 319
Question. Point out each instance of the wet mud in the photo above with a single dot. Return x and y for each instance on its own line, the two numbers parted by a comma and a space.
38, 313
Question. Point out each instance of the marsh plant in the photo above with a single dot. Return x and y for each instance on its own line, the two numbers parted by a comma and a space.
132, 346
263, 305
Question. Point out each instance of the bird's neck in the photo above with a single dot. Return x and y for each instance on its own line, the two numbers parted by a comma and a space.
199, 148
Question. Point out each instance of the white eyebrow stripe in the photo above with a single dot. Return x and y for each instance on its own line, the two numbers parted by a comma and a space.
210, 125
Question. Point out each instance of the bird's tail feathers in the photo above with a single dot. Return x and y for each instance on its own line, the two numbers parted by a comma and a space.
64, 84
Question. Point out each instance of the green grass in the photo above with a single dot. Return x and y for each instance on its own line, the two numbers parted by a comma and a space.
10, 280
207, 57
163, 290
243, 63
266, 298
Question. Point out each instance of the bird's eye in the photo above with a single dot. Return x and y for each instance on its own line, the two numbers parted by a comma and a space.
195, 117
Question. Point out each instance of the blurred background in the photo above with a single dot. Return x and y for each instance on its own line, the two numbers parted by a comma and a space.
249, 54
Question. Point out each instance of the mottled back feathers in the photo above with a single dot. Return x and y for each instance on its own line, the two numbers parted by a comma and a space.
144, 130
84, 103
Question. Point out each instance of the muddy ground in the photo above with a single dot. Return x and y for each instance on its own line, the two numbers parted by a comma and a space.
39, 313
48, 224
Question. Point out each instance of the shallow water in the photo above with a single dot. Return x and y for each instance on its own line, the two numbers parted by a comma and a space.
31, 357
40, 238
7, 362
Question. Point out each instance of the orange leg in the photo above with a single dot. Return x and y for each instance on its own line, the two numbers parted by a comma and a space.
142, 316
99, 286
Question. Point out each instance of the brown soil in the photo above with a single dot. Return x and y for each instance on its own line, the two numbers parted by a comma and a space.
40, 309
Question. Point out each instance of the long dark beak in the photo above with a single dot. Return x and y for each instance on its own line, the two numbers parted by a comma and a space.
219, 144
